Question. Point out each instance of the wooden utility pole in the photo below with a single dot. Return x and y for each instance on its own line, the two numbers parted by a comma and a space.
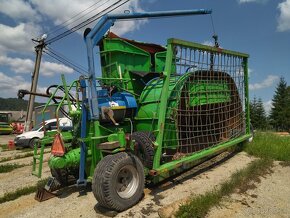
30, 108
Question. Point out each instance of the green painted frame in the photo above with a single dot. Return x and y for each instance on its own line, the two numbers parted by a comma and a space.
162, 171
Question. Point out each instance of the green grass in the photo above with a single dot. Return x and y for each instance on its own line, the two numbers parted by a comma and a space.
19, 156
5, 168
240, 181
265, 145
22, 191
269, 145
4, 147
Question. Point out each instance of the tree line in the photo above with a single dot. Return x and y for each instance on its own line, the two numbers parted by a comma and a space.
15, 104
279, 117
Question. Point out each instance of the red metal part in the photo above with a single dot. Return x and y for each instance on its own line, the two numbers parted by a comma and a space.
58, 148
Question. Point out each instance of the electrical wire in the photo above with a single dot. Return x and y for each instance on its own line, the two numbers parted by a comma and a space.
88, 21
212, 24
58, 54
62, 26
65, 62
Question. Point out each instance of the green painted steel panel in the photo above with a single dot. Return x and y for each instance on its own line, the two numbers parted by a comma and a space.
205, 92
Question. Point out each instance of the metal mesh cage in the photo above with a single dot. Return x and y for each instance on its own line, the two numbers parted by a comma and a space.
206, 106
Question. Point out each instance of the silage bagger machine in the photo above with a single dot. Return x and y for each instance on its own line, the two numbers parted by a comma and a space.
155, 112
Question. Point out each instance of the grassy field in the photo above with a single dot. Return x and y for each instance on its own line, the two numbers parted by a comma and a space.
270, 145
265, 145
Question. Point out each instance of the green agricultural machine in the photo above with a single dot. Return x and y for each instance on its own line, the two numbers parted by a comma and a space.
155, 112
5, 128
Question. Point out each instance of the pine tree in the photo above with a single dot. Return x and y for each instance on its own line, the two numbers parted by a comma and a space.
279, 112
258, 114
261, 114
253, 112
287, 110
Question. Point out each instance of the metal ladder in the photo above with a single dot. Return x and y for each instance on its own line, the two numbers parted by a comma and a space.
38, 159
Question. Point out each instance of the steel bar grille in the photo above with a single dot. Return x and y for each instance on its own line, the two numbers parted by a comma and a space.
206, 106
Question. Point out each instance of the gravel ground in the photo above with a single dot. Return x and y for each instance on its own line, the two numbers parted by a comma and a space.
5, 138
13, 153
269, 198
161, 199
26, 160
19, 178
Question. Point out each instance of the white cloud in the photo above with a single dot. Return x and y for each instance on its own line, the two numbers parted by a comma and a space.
208, 43
50, 69
252, 1
284, 17
268, 106
18, 38
123, 27
268, 82
9, 86
18, 10
19, 65
250, 71
59, 12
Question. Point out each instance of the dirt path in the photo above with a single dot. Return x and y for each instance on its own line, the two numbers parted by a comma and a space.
13, 153
5, 138
71, 204
19, 178
26, 160
269, 198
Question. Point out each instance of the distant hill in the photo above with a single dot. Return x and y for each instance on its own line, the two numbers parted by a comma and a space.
15, 104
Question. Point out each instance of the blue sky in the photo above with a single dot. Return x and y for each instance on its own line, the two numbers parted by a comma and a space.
260, 28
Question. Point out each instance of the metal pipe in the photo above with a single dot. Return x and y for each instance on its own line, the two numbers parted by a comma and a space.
23, 92
159, 14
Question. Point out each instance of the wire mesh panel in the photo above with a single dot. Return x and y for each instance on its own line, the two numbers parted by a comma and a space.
206, 106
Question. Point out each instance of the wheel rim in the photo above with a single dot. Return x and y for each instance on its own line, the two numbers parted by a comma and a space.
127, 181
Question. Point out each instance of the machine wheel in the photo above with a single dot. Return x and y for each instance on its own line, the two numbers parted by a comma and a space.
144, 147
32, 142
118, 181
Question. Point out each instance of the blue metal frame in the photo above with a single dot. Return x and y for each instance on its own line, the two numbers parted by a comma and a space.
96, 34
83, 148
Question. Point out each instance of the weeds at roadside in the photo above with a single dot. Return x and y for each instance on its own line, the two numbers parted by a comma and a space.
239, 181
4, 147
269, 145
10, 167
19, 156
22, 191
285, 163
16, 157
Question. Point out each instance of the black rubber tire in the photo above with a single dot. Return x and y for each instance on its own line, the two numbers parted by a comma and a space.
105, 181
32, 142
144, 147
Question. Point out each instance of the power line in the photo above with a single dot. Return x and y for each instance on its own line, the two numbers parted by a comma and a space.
88, 21
62, 26
65, 58
66, 62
